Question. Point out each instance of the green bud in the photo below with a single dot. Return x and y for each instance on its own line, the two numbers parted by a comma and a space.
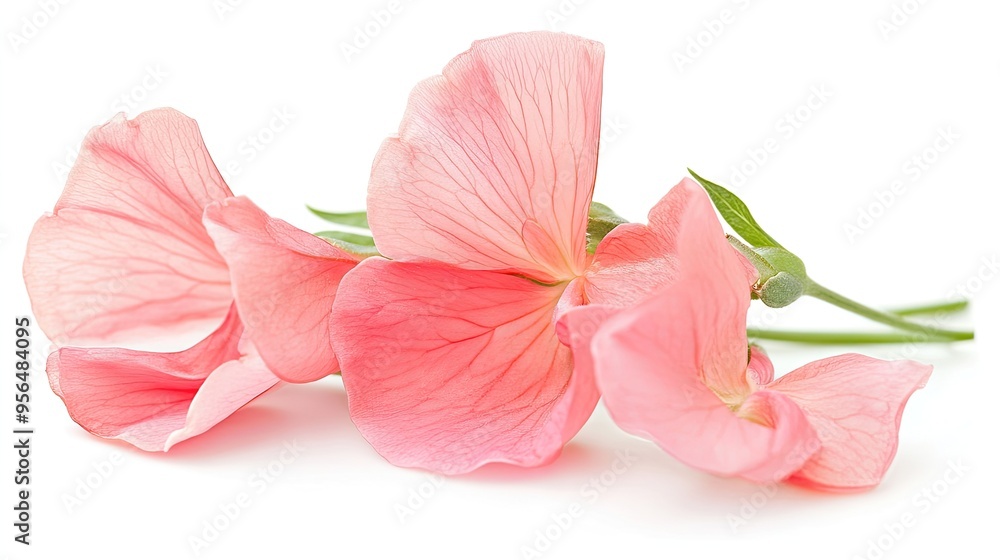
780, 290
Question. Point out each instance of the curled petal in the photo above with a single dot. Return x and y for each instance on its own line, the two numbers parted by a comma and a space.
227, 389
708, 302
284, 281
855, 403
154, 400
673, 368
648, 366
760, 370
495, 161
125, 247
448, 369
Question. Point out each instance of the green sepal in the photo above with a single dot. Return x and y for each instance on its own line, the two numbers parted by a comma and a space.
353, 219
601, 220
361, 245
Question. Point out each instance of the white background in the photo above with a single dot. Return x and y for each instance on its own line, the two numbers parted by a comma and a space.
890, 95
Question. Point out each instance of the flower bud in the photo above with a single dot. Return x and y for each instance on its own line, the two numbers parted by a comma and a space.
780, 290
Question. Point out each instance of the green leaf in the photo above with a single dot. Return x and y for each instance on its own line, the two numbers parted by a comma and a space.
353, 219
361, 245
736, 214
600, 223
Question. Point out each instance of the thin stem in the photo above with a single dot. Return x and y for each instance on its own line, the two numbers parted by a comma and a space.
931, 308
927, 333
841, 337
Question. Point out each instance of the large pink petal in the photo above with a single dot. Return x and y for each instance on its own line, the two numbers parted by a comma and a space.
125, 247
284, 281
448, 369
495, 161
154, 400
649, 363
855, 404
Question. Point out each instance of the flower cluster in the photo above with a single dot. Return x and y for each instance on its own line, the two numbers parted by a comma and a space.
500, 306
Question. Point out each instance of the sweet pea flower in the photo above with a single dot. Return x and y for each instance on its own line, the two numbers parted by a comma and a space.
147, 240
676, 369
450, 351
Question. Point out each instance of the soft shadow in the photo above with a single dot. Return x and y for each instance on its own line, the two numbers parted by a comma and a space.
308, 412
575, 458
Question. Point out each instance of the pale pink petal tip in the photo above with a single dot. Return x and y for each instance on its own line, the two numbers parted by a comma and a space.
855, 403
155, 400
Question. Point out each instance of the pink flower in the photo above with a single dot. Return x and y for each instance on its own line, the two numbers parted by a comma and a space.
450, 352
148, 241
676, 369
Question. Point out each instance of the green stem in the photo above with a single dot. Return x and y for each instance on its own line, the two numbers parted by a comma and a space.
926, 333
840, 337
932, 308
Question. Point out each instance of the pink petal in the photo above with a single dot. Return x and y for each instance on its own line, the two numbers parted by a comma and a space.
125, 247
673, 368
713, 285
760, 370
628, 265
649, 363
634, 259
855, 404
230, 387
576, 328
284, 281
506, 137
154, 400
448, 369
